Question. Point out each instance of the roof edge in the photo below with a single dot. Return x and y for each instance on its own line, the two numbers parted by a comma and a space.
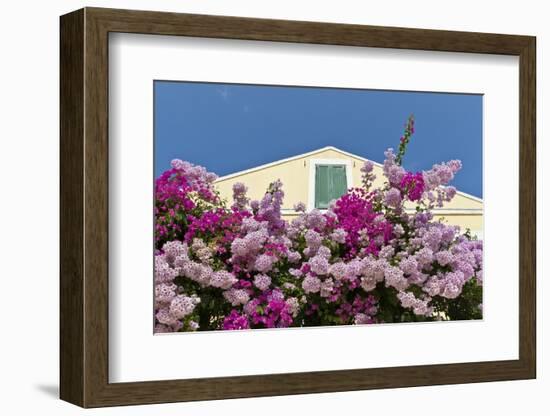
290, 159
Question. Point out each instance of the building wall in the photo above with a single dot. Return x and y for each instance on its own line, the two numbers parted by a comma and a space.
295, 175
474, 222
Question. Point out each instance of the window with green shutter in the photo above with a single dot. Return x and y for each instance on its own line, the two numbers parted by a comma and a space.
330, 183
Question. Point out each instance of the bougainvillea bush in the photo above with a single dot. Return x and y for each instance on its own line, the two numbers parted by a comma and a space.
238, 265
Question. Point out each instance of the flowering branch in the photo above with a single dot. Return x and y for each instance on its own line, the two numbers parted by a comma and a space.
405, 139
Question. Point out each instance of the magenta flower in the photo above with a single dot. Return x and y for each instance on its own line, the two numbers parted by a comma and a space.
412, 185
364, 231
235, 320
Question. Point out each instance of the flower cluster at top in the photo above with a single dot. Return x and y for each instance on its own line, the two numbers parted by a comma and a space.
364, 260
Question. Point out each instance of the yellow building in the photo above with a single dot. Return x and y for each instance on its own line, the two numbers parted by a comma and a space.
317, 177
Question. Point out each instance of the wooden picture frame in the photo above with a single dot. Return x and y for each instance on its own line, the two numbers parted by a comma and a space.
84, 207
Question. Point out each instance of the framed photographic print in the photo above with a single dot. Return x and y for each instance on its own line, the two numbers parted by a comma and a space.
255, 207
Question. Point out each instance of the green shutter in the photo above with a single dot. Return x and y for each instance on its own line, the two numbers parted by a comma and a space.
330, 183
338, 182
321, 186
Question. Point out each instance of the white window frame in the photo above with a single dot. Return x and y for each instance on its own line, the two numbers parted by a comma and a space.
313, 164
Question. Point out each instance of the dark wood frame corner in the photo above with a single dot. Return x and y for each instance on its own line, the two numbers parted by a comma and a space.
84, 207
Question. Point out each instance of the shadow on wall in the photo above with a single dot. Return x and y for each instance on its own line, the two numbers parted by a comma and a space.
51, 390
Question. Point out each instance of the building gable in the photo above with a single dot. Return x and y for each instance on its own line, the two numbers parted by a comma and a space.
297, 174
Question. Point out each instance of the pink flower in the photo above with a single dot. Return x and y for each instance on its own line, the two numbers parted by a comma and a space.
262, 281
393, 198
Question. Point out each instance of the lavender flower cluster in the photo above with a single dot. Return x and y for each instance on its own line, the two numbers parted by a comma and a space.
364, 260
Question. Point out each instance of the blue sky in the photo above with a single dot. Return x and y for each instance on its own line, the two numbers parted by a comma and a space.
231, 127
